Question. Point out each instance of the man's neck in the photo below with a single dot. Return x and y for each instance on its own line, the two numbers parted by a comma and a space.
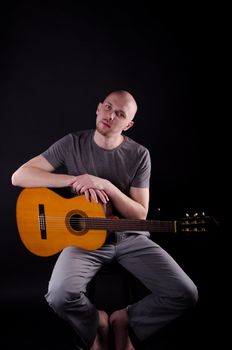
107, 142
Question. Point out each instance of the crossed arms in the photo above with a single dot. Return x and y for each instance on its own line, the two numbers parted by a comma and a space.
38, 172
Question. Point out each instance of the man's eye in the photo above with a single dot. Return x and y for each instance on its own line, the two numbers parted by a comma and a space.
121, 115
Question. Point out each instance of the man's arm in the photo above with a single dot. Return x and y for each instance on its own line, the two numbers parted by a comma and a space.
38, 172
134, 206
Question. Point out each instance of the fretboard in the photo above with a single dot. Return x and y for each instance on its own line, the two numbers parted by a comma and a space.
126, 224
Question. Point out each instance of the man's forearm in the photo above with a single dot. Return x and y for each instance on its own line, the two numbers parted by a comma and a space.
126, 206
35, 177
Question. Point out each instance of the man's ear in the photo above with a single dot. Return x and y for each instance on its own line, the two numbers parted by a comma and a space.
129, 125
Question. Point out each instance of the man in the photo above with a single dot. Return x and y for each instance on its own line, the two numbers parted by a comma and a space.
107, 166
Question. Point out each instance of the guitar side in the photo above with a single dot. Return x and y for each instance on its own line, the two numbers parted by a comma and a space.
47, 222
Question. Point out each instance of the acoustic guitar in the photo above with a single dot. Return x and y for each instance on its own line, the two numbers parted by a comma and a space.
48, 222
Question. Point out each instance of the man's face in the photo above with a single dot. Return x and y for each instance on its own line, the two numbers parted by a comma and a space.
114, 115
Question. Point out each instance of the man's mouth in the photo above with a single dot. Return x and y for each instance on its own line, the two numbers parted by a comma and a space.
105, 124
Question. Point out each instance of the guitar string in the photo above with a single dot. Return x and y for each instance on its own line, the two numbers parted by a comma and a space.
118, 222
98, 223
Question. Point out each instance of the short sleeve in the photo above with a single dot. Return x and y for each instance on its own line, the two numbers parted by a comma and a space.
56, 153
142, 176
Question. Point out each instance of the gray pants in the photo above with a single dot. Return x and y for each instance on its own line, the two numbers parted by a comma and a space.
172, 291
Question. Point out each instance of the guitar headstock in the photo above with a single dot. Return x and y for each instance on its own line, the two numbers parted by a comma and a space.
196, 223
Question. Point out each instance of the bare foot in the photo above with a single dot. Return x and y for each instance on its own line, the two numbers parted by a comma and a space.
119, 323
101, 341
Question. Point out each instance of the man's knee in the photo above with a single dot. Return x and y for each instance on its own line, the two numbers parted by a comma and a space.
191, 295
60, 299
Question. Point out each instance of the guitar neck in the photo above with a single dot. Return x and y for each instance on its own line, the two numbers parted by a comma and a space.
127, 224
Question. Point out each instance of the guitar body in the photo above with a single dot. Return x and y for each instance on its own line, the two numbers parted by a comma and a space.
48, 222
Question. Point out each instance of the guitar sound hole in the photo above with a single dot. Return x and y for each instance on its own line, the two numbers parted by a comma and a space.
76, 223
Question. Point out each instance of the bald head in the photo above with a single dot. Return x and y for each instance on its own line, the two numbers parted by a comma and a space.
126, 99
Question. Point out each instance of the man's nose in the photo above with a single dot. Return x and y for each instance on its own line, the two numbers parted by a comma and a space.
112, 115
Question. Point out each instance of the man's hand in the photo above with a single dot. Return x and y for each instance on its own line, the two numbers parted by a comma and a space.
93, 187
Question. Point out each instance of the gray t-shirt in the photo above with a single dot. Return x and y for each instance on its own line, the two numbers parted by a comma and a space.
127, 165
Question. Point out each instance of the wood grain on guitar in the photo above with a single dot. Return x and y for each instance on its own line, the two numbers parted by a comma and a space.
48, 222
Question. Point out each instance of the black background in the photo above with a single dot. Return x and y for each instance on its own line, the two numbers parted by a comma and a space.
58, 61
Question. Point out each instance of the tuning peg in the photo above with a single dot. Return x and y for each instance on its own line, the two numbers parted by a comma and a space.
187, 215
196, 214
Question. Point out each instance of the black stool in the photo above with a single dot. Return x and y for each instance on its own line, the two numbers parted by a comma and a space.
114, 288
